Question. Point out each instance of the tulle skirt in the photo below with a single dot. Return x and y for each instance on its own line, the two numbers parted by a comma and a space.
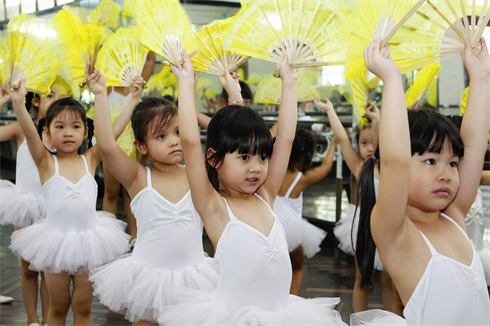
299, 311
144, 293
346, 232
376, 317
299, 232
73, 252
17, 208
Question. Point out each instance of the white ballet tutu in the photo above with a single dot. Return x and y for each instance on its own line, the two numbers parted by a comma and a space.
299, 311
18, 208
143, 293
299, 232
346, 233
73, 252
376, 317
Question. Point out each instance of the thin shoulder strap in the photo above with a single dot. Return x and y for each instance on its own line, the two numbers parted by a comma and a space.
457, 225
270, 210
148, 177
56, 167
295, 182
85, 163
230, 213
433, 250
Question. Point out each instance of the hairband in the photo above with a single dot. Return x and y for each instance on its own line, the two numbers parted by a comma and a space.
373, 157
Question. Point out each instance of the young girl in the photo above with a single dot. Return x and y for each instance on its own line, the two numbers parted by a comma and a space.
234, 198
73, 238
426, 188
346, 229
169, 252
302, 237
22, 203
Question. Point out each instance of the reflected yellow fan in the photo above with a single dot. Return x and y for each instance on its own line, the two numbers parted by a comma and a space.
81, 12
151, 85
165, 28
424, 79
360, 89
203, 84
253, 79
269, 90
105, 14
81, 44
464, 100
28, 57
167, 82
122, 57
211, 57
432, 31
129, 10
308, 31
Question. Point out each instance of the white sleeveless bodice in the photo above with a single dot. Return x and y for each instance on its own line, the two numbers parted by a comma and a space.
27, 179
449, 292
164, 225
286, 205
255, 270
69, 206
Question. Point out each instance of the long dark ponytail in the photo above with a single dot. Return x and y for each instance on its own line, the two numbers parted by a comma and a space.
366, 199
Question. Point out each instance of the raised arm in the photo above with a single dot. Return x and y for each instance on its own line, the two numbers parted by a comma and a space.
388, 215
204, 196
35, 144
351, 158
286, 128
317, 174
121, 165
474, 130
202, 119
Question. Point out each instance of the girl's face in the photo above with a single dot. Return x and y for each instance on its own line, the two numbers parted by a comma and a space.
434, 179
163, 146
243, 173
67, 132
366, 145
42, 103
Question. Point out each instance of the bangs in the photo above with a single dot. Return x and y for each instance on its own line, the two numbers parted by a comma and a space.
247, 132
429, 131
161, 121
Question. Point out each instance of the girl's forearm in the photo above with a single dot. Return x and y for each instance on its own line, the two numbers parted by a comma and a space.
25, 120
288, 112
102, 121
124, 117
188, 127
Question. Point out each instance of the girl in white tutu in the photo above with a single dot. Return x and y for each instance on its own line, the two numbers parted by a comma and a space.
303, 238
168, 255
428, 182
346, 228
73, 238
22, 203
233, 188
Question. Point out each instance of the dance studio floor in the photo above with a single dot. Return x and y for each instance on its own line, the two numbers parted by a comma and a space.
329, 274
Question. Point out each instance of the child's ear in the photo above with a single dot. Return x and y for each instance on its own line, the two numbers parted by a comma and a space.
86, 133
209, 157
46, 131
141, 147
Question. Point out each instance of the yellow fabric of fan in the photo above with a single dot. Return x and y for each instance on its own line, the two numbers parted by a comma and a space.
167, 82
268, 91
105, 14
122, 57
165, 28
308, 31
81, 43
211, 57
28, 57
129, 10
424, 79
435, 31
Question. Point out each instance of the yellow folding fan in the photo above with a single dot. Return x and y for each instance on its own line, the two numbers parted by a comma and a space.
122, 57
81, 12
308, 31
165, 28
81, 44
129, 10
464, 100
269, 90
424, 79
360, 88
105, 14
26, 56
211, 57
431, 31
167, 82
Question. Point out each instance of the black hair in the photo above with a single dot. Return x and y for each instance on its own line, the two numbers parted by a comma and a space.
302, 150
457, 120
429, 131
232, 128
245, 91
152, 110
